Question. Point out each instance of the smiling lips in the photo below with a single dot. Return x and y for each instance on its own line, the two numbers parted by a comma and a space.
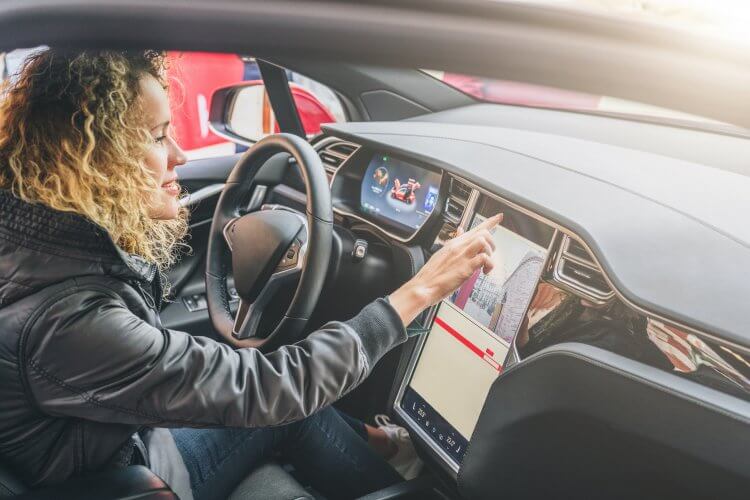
171, 187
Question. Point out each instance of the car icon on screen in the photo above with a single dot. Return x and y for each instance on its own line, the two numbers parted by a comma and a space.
405, 193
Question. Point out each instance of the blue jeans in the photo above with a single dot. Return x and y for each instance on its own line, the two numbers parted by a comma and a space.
328, 449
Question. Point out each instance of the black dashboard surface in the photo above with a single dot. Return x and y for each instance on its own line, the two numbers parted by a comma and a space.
671, 235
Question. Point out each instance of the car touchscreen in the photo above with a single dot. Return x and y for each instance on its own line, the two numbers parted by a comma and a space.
398, 192
466, 347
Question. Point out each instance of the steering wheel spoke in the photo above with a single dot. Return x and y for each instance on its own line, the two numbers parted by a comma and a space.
247, 319
227, 232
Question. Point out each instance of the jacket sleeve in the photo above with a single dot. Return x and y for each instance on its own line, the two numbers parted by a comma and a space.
89, 356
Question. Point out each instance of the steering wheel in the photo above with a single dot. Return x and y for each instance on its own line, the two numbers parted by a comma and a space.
268, 247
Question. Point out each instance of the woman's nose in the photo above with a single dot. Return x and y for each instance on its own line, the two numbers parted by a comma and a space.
177, 156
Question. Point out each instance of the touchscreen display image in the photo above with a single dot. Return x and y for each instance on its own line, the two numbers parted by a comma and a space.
457, 365
398, 192
466, 347
498, 300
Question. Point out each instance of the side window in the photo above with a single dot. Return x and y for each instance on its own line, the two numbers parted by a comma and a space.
194, 76
316, 103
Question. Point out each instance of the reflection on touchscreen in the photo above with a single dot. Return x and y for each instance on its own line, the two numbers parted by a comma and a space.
498, 300
544, 308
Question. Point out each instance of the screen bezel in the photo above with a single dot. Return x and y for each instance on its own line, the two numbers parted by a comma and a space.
447, 462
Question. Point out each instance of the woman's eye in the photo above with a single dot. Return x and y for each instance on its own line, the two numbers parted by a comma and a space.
161, 139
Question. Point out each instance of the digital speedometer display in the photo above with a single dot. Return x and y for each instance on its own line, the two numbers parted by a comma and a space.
398, 192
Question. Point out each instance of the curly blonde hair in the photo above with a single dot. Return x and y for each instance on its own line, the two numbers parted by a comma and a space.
73, 137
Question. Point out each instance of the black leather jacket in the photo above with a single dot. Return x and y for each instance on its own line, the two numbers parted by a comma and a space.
85, 362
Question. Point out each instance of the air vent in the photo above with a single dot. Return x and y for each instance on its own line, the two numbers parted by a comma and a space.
577, 250
458, 197
576, 268
459, 190
335, 153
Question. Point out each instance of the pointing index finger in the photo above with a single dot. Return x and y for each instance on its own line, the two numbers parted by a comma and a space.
490, 223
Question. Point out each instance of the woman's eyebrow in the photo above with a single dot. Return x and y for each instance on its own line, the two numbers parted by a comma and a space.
161, 125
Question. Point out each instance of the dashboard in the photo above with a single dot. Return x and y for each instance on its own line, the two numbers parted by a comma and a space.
569, 269
619, 201
546, 288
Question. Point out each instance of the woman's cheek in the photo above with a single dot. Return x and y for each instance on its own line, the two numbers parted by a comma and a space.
156, 161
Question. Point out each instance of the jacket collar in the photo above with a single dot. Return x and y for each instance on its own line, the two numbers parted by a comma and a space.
38, 240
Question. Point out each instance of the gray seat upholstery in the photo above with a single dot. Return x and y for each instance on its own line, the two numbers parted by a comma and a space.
270, 482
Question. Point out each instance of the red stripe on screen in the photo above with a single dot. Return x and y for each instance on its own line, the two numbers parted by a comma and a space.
476, 350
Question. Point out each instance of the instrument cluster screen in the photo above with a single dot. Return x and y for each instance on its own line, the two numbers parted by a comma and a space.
398, 192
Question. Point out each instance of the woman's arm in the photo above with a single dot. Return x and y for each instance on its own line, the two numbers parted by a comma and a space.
89, 356
101, 362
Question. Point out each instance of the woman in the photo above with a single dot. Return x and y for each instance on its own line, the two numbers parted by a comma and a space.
89, 220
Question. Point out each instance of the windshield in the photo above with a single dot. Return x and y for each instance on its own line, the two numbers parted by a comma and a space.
526, 94
717, 18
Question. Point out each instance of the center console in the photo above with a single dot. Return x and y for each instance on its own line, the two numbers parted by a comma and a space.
471, 334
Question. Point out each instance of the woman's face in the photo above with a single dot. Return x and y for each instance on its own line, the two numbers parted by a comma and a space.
163, 155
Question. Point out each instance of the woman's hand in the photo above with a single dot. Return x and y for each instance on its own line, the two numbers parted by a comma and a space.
447, 270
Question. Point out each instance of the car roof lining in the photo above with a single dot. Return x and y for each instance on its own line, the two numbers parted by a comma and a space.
541, 45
